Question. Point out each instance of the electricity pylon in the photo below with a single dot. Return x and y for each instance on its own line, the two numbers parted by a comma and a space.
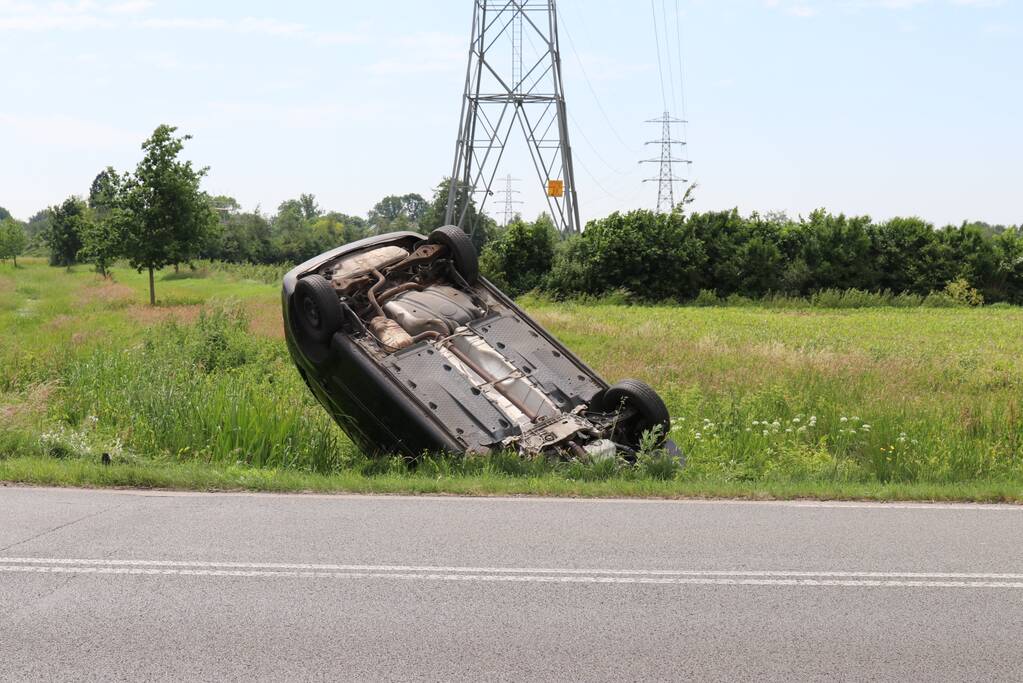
666, 179
509, 199
505, 89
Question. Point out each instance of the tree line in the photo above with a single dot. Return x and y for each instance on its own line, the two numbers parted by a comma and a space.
676, 257
158, 215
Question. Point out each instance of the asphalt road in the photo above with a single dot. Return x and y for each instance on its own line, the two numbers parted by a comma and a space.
130, 585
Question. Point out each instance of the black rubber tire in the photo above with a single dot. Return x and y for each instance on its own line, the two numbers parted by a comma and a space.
463, 252
317, 309
644, 400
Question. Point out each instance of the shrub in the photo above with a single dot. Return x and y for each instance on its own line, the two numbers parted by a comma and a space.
960, 291
520, 258
655, 256
707, 297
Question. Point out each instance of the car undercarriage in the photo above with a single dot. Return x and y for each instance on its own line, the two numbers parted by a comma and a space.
412, 351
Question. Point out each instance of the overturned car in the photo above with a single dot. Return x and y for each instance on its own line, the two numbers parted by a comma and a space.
411, 351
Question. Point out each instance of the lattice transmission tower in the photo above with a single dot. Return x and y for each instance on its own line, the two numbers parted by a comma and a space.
513, 86
666, 179
509, 192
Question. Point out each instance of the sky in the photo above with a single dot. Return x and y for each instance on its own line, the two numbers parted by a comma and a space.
876, 107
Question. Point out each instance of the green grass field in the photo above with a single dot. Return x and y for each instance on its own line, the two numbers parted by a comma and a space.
198, 392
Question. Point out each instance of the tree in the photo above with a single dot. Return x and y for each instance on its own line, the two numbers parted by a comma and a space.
4, 214
12, 239
101, 230
166, 218
104, 189
37, 227
398, 212
291, 235
310, 209
224, 205
654, 256
521, 257
101, 239
910, 257
64, 233
434, 213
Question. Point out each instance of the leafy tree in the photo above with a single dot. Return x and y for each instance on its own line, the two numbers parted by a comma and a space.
434, 214
166, 217
909, 256
12, 239
837, 251
760, 257
398, 212
242, 237
101, 231
1009, 249
64, 234
310, 209
292, 238
522, 256
37, 227
973, 256
104, 189
653, 256
4, 214
723, 233
101, 239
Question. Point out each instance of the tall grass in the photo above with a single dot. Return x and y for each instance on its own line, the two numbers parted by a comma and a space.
270, 274
208, 391
760, 396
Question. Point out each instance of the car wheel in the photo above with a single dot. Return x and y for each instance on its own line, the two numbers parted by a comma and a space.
463, 252
317, 308
644, 400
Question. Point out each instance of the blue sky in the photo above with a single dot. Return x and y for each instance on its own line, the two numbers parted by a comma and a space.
882, 107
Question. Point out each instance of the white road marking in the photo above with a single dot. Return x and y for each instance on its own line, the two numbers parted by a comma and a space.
512, 574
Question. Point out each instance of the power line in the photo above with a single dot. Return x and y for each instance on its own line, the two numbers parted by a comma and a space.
681, 71
682, 77
593, 148
657, 44
589, 84
667, 50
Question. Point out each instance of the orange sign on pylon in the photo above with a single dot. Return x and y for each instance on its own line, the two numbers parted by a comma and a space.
555, 188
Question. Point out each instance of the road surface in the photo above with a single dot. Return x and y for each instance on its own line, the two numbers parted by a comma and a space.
117, 585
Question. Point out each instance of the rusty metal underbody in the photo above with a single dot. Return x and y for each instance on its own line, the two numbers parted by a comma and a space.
486, 375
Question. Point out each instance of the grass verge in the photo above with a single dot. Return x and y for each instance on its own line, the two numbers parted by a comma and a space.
859, 403
195, 476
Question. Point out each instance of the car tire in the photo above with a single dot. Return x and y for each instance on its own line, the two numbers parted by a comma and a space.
317, 309
641, 397
463, 252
